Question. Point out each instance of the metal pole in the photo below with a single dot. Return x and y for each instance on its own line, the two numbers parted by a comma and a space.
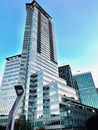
11, 118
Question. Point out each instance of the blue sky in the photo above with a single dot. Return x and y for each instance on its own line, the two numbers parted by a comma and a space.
76, 31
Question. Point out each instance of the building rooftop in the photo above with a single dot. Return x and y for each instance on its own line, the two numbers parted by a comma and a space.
15, 56
82, 73
34, 3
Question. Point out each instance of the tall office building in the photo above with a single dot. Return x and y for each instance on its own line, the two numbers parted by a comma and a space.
39, 52
10, 78
87, 90
39, 56
66, 74
46, 94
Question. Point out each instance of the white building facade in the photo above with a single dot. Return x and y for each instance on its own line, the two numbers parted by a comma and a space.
10, 78
39, 53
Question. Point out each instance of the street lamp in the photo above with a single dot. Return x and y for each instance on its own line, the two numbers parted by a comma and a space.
20, 91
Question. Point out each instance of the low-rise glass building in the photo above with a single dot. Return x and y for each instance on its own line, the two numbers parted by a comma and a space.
87, 89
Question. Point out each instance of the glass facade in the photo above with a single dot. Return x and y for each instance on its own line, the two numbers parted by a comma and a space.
39, 56
66, 74
74, 114
87, 90
3, 120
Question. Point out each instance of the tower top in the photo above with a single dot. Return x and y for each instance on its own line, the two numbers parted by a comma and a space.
35, 4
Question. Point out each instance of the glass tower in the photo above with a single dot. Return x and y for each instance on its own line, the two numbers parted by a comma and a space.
66, 74
39, 58
87, 90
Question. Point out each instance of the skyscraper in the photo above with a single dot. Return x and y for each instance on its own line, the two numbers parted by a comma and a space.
66, 74
87, 90
39, 54
39, 51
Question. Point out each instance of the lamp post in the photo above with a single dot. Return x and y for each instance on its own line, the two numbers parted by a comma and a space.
11, 118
